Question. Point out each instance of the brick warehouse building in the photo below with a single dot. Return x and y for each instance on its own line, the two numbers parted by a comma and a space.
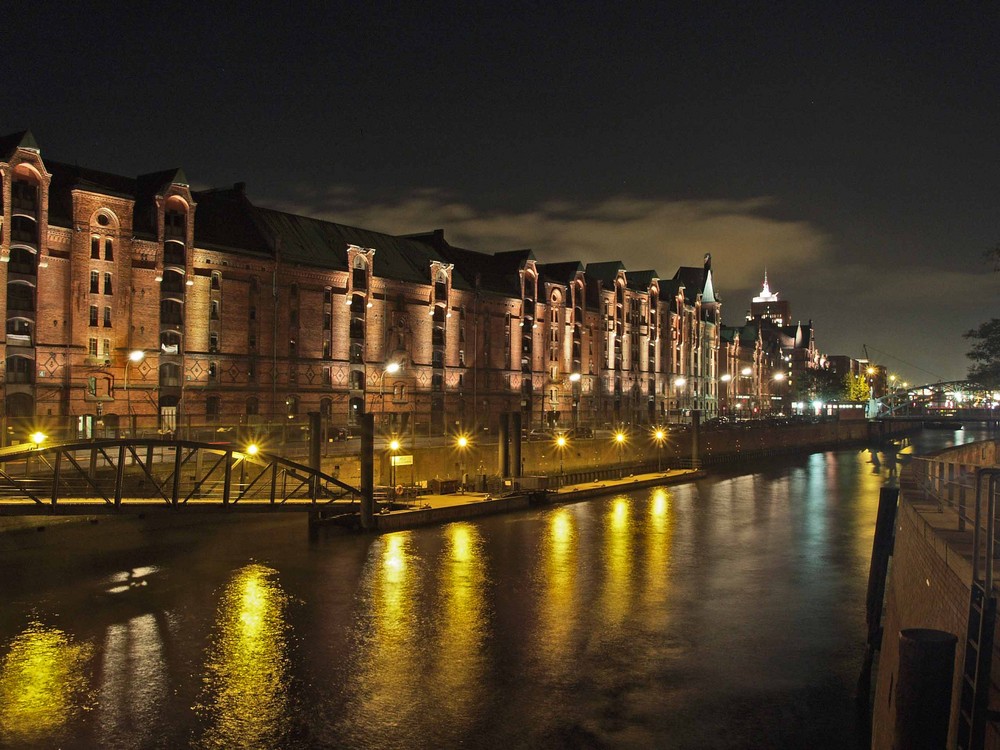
234, 313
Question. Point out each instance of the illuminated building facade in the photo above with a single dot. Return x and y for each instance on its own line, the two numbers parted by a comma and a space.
139, 302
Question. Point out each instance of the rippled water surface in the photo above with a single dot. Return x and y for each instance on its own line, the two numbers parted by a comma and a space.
728, 613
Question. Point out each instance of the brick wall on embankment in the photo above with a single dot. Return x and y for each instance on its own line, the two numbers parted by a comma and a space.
929, 587
543, 458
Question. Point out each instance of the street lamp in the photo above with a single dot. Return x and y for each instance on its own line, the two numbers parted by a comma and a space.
659, 436
390, 369
575, 378
393, 447
561, 443
620, 442
462, 443
134, 357
38, 438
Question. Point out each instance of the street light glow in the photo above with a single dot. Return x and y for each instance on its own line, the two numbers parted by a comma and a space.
726, 378
574, 377
38, 438
394, 445
136, 355
462, 441
746, 371
252, 449
679, 382
392, 368
619, 437
561, 441
660, 435
779, 376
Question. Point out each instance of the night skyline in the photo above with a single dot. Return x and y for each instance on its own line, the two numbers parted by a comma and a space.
847, 151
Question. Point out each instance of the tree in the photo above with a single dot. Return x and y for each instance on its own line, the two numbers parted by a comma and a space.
819, 384
857, 388
985, 354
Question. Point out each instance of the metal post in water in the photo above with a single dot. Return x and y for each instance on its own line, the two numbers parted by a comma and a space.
923, 688
503, 446
695, 435
515, 443
367, 471
314, 452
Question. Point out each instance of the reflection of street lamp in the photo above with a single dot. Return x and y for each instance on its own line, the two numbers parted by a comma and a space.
659, 436
620, 442
390, 369
135, 356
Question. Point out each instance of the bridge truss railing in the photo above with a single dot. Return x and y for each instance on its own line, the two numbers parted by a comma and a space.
105, 474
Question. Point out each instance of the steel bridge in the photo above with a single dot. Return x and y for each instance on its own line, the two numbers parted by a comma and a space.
140, 475
951, 401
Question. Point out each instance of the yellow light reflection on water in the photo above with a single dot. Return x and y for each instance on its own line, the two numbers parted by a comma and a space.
558, 615
43, 687
658, 541
459, 661
388, 664
246, 681
618, 581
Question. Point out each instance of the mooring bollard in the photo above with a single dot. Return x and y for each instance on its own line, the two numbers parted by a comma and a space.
923, 688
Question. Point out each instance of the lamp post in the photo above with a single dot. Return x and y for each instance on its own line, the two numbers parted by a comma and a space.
561, 447
620, 442
659, 436
574, 379
134, 357
393, 448
390, 369
462, 443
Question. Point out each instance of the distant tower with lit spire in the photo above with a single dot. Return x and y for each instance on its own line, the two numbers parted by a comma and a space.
767, 306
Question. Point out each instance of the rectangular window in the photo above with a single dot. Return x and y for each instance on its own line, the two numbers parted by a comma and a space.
106, 348
253, 313
213, 370
291, 347
108, 250
252, 342
95, 248
92, 347
326, 350
93, 318
91, 386
213, 342
95, 282
327, 321
327, 376
107, 284
107, 317
327, 296
215, 309
251, 372
216, 281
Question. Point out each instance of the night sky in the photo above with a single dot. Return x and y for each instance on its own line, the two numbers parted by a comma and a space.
852, 151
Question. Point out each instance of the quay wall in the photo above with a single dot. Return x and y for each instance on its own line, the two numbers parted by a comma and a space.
542, 458
929, 585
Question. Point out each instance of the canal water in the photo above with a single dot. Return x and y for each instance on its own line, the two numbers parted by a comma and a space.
726, 613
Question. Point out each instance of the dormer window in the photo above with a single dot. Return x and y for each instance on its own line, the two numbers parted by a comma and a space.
359, 275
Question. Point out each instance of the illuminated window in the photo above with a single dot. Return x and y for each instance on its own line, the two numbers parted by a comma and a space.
95, 282
107, 284
93, 317
108, 250
107, 317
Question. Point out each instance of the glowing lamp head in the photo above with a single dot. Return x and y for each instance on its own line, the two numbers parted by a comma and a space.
726, 378
394, 445
680, 382
574, 377
253, 449
392, 368
561, 441
38, 438
746, 371
779, 376
660, 436
619, 437
136, 355
462, 441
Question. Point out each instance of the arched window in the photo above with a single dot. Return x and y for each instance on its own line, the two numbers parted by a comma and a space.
359, 274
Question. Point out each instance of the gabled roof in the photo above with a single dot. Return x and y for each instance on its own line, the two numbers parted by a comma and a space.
560, 273
496, 273
10, 143
640, 281
693, 280
606, 271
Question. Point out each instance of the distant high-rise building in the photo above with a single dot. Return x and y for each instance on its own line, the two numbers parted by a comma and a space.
767, 306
